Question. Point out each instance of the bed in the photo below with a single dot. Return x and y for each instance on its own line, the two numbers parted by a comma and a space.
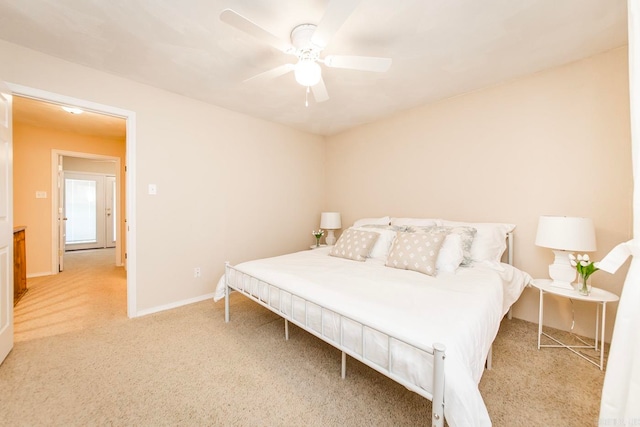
432, 333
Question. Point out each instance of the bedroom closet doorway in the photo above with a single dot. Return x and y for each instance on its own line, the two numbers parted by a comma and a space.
125, 237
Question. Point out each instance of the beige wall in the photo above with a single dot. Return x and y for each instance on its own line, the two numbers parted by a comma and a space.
230, 187
32, 148
557, 143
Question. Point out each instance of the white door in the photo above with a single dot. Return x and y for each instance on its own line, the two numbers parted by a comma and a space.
83, 203
110, 212
89, 209
62, 220
6, 225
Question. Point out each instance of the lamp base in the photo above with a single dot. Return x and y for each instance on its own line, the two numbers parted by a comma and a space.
561, 271
330, 239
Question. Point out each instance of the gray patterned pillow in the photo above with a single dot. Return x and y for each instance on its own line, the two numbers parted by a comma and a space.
354, 244
387, 227
467, 234
416, 251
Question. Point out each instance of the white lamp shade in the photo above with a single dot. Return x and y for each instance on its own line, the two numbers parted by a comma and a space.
330, 220
566, 233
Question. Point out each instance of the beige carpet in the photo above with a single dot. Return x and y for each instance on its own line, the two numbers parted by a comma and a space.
88, 293
78, 361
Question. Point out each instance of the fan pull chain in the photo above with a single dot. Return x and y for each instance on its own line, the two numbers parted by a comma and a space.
306, 98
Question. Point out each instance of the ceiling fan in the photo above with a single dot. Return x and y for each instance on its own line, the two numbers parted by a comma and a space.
307, 43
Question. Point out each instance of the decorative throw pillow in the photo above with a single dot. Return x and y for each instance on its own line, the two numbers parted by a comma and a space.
467, 235
490, 241
354, 244
417, 222
416, 251
393, 228
380, 249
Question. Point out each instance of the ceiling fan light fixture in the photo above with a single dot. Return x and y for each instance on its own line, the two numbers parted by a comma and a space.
72, 110
307, 72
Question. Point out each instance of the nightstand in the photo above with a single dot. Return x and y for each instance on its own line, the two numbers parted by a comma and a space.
598, 296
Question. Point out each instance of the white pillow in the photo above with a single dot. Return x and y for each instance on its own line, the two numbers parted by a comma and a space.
382, 246
418, 222
385, 220
490, 241
451, 254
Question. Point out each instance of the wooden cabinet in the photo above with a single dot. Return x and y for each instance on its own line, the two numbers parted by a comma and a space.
19, 263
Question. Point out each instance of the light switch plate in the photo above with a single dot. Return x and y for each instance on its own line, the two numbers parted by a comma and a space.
41, 194
153, 190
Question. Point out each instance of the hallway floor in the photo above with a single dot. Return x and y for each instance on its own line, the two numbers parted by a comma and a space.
90, 290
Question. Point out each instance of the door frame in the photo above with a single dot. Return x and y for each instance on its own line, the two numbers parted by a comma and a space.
130, 173
56, 203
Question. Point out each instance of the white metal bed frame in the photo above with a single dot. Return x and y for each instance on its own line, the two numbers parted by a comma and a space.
262, 293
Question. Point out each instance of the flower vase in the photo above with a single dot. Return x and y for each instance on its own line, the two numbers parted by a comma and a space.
583, 286
317, 242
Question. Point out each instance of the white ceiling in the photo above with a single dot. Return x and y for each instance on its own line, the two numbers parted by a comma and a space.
440, 48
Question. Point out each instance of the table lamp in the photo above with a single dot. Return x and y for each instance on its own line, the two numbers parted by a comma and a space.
330, 221
565, 235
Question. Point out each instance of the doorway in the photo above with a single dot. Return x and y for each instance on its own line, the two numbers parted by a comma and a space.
89, 207
128, 177
99, 220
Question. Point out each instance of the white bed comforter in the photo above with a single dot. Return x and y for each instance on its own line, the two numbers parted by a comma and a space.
461, 310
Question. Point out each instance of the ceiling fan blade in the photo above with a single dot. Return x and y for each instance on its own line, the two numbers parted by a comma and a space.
272, 73
245, 25
337, 12
320, 91
363, 63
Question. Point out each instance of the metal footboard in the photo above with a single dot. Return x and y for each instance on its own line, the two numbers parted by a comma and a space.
331, 326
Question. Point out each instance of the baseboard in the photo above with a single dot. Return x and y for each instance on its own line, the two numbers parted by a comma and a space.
46, 273
174, 305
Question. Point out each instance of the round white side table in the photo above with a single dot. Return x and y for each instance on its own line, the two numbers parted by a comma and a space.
598, 296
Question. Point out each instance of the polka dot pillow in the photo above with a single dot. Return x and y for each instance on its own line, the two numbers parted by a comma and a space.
354, 244
416, 251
